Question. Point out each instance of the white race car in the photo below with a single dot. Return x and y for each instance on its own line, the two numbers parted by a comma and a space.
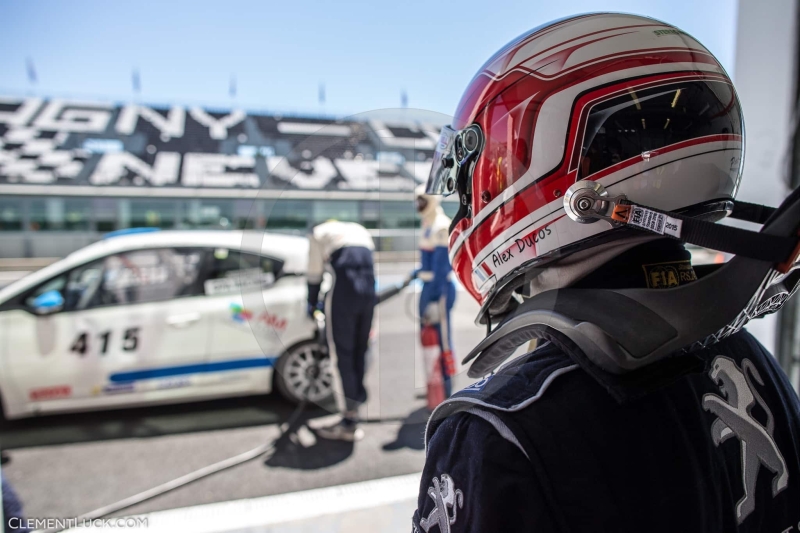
160, 317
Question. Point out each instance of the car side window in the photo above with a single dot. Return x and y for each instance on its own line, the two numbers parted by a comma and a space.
231, 271
138, 276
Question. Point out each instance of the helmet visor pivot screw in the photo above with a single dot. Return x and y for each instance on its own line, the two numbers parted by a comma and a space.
470, 140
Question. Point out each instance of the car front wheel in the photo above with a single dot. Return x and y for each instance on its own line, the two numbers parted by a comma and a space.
304, 373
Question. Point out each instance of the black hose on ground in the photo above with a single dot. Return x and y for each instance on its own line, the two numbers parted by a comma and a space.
193, 476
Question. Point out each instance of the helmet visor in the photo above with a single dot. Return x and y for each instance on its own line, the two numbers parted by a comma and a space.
454, 159
442, 179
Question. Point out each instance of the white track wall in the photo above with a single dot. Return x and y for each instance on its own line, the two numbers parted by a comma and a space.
765, 77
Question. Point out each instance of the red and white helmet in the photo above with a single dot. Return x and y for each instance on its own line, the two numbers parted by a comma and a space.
630, 103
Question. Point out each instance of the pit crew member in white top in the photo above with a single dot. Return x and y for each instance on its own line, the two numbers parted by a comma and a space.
345, 250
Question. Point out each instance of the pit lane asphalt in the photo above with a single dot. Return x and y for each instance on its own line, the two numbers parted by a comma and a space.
66, 465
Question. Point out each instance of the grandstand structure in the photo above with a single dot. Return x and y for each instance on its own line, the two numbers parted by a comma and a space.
73, 170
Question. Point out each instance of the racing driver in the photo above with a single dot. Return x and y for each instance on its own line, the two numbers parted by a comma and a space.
585, 154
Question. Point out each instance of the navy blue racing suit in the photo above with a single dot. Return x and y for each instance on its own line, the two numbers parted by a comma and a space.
703, 442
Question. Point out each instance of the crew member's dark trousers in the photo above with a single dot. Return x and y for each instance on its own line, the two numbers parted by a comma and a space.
352, 303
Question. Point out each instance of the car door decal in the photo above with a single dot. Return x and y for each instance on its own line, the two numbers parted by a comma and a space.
262, 320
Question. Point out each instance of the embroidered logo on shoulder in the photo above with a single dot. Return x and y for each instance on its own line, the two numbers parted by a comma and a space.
445, 496
478, 385
735, 419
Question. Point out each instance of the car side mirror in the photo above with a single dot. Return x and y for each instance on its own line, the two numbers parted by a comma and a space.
48, 303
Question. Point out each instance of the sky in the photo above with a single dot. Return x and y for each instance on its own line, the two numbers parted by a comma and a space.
366, 54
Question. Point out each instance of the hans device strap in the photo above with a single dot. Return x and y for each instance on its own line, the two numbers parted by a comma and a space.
627, 329
587, 202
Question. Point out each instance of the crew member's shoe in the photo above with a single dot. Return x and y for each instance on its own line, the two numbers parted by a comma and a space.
4, 458
341, 431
